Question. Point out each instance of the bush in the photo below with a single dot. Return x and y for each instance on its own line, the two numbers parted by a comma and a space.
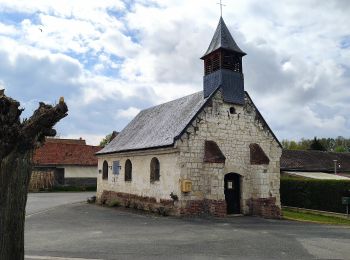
114, 203
314, 194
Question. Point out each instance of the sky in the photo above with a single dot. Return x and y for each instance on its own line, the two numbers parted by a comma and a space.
112, 58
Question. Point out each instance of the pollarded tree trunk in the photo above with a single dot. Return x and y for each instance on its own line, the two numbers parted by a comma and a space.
13, 201
17, 142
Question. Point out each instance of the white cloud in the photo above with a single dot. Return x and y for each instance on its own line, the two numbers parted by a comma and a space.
89, 138
7, 29
129, 113
110, 59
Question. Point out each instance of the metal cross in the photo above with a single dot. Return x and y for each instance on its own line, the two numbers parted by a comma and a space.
221, 4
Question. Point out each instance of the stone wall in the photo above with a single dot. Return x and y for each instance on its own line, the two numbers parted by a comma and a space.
128, 200
233, 133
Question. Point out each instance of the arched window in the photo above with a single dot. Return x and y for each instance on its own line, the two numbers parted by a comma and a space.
128, 170
155, 169
105, 170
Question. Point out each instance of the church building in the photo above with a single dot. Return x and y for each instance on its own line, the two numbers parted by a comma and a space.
209, 153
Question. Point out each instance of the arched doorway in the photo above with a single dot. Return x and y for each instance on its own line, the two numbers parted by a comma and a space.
233, 193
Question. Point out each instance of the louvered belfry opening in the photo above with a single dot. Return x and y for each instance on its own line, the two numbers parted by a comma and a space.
222, 59
232, 61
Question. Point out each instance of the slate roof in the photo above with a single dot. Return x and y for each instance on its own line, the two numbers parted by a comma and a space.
65, 152
157, 126
295, 160
223, 39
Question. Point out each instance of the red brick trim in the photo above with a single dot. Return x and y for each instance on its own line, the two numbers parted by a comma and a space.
204, 207
264, 207
164, 207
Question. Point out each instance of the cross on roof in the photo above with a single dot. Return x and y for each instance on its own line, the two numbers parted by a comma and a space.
221, 4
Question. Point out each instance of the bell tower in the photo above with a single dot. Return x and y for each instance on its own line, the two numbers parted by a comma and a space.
223, 66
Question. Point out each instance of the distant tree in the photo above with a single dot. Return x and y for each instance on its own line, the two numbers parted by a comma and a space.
317, 145
340, 149
339, 144
285, 144
108, 138
105, 140
304, 144
293, 146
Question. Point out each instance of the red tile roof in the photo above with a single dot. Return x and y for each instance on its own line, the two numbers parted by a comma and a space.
66, 152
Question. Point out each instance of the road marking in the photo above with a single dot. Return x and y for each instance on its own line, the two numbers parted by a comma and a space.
37, 257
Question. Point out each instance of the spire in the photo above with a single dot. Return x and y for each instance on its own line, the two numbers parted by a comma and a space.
223, 39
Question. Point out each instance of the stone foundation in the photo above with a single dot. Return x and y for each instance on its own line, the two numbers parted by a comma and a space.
163, 207
204, 207
264, 207
216, 208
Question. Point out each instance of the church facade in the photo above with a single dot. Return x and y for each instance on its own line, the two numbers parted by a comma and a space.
209, 153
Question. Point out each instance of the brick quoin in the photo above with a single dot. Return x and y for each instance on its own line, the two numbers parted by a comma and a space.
264, 207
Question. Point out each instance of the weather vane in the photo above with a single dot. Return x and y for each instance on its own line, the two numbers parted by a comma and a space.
221, 4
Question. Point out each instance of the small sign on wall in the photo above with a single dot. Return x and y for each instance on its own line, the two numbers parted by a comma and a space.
116, 167
186, 186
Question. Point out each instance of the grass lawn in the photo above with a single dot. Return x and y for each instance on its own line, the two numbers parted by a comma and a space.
311, 217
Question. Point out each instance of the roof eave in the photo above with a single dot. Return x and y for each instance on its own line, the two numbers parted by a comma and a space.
137, 149
242, 53
199, 110
268, 127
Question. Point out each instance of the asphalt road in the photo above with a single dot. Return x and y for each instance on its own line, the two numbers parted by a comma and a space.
82, 231
38, 202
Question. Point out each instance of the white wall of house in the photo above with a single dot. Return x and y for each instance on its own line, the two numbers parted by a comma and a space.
79, 171
141, 184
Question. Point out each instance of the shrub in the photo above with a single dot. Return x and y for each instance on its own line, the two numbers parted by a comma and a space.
163, 211
127, 204
314, 194
114, 203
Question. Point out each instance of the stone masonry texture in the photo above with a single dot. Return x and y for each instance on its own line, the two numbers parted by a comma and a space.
233, 133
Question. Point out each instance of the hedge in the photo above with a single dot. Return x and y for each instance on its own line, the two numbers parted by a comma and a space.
314, 194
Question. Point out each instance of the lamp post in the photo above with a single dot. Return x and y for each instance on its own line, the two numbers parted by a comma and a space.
335, 167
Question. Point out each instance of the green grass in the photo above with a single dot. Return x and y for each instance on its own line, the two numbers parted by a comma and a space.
311, 217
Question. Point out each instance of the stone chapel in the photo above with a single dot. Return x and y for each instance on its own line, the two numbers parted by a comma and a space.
209, 153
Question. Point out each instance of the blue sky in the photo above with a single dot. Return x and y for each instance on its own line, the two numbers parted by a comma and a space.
110, 59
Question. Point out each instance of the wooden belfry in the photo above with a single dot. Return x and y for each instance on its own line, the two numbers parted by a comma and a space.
223, 65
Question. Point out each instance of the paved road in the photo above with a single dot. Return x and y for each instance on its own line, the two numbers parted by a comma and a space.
82, 231
38, 202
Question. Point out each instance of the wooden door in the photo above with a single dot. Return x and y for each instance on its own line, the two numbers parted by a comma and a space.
233, 193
